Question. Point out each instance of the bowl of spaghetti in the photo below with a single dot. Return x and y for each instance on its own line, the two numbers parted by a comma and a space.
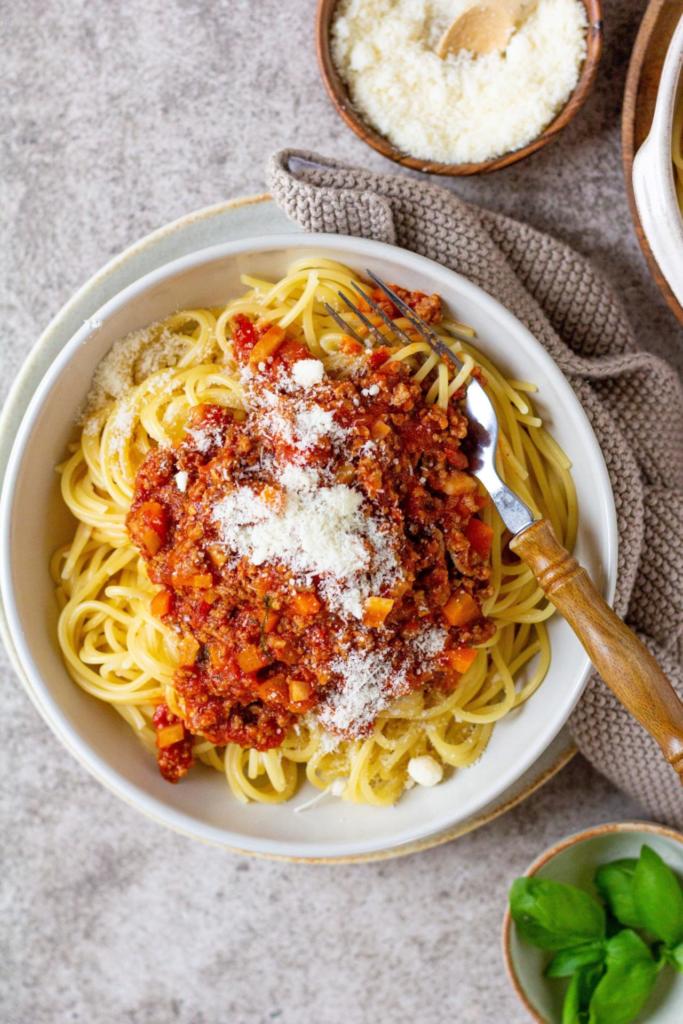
658, 171
263, 580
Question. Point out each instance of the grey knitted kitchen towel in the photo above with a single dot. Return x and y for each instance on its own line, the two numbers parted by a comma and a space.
634, 401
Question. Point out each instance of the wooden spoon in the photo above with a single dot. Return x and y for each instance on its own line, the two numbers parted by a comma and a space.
481, 28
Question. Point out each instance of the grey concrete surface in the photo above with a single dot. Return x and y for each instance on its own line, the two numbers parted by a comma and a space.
116, 117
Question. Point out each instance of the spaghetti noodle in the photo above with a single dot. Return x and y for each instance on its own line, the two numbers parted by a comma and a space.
157, 393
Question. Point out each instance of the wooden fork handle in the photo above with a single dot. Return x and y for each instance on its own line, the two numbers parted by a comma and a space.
624, 663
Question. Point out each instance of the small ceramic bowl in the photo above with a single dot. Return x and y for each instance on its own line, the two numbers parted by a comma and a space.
575, 860
653, 177
338, 94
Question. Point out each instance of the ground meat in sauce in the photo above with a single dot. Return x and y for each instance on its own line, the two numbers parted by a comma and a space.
174, 759
255, 646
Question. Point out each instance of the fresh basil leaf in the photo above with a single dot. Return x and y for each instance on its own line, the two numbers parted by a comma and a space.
566, 961
627, 983
614, 882
675, 957
552, 915
571, 1007
658, 897
578, 995
589, 978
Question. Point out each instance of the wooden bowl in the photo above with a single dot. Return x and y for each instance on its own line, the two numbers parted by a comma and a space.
354, 119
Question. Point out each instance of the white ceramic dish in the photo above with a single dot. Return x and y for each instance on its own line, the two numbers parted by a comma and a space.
653, 177
575, 861
33, 523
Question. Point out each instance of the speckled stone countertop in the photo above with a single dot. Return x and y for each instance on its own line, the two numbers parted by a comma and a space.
116, 118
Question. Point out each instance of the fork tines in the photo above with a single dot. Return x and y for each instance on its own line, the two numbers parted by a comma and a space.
423, 328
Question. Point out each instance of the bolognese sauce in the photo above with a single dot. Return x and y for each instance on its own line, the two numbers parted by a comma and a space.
321, 554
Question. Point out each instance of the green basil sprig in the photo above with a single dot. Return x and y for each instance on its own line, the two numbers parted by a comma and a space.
578, 997
658, 897
614, 882
555, 916
628, 980
567, 961
612, 970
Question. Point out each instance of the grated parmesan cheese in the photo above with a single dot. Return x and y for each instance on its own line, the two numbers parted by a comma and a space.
131, 361
206, 436
311, 425
319, 532
462, 108
297, 421
425, 770
307, 372
121, 424
429, 642
370, 683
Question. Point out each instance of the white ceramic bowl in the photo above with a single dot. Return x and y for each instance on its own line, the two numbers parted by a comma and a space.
33, 522
574, 861
653, 176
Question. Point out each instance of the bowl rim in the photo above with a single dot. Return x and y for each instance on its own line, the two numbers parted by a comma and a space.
39, 691
653, 181
609, 828
338, 94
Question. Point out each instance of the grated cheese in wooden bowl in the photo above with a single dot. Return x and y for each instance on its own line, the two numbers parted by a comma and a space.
462, 108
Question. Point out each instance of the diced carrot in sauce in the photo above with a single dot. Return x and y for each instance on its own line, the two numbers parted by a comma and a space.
218, 556
480, 536
148, 525
273, 496
267, 345
458, 483
376, 610
252, 658
151, 541
270, 622
305, 603
282, 650
461, 658
194, 580
460, 609
169, 735
380, 429
188, 649
299, 690
349, 346
273, 690
161, 603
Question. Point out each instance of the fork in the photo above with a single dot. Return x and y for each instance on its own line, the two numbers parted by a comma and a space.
621, 659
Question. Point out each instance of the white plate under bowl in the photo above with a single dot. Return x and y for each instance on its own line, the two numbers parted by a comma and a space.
33, 522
